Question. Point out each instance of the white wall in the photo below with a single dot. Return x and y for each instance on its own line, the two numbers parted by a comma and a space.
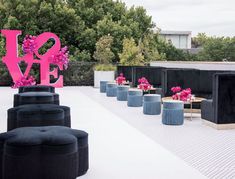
178, 40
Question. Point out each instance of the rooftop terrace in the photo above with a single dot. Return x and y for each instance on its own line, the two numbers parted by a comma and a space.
126, 144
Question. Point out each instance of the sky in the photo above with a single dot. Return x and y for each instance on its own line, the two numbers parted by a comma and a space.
214, 17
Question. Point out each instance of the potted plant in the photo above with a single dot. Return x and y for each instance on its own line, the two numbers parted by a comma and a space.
104, 71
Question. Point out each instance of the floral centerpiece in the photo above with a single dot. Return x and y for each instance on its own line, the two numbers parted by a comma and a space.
24, 81
144, 84
120, 79
181, 94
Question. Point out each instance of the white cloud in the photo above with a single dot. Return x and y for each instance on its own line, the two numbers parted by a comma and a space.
215, 17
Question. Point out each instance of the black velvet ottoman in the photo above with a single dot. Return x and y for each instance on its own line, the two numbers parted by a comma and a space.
38, 115
37, 88
43, 153
36, 98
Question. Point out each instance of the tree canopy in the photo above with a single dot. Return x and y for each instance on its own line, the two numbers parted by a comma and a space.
79, 23
215, 48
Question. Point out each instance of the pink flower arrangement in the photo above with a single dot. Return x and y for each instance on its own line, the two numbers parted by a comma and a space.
62, 57
182, 95
144, 84
176, 89
24, 81
120, 79
29, 44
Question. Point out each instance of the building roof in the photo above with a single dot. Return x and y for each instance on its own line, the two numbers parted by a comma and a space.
171, 32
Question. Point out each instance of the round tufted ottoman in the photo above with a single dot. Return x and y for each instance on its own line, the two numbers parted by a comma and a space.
122, 91
135, 98
36, 98
43, 153
37, 88
111, 89
173, 112
38, 115
152, 104
103, 86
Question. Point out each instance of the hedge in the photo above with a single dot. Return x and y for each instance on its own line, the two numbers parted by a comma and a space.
77, 74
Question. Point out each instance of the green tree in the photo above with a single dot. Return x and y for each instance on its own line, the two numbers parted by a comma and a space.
168, 51
103, 53
218, 49
149, 48
131, 54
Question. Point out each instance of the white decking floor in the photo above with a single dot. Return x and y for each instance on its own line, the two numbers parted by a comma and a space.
125, 144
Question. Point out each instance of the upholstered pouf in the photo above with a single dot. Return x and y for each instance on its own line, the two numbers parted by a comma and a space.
36, 98
52, 152
135, 98
103, 86
122, 91
152, 104
38, 115
37, 88
173, 112
111, 89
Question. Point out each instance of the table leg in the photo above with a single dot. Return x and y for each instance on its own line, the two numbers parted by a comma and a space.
191, 110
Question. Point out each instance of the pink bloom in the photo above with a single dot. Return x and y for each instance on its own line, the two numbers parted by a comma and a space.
29, 44
176, 89
24, 81
61, 58
183, 95
120, 79
144, 84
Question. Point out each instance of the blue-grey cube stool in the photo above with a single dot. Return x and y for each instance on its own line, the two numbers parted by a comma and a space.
152, 104
111, 89
103, 86
173, 112
122, 91
135, 98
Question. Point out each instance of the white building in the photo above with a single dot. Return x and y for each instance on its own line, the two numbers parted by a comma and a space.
180, 39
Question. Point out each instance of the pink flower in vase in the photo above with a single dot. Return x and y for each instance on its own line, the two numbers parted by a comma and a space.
144, 84
120, 79
183, 95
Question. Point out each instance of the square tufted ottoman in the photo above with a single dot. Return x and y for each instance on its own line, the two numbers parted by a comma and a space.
36, 98
37, 88
53, 152
38, 115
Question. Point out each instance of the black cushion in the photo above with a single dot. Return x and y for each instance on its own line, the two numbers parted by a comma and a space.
38, 115
36, 98
207, 110
53, 152
37, 88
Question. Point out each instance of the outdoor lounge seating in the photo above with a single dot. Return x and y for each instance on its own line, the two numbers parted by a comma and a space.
135, 98
173, 112
221, 109
53, 152
152, 104
38, 115
122, 91
36, 98
133, 73
111, 89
